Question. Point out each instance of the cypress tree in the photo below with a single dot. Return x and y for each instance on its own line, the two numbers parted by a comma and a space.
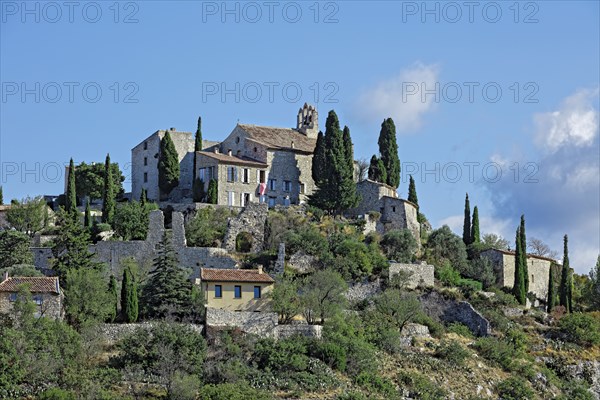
143, 197
319, 160
551, 291
1, 197
349, 149
377, 170
129, 297
347, 186
566, 284
212, 195
475, 236
198, 190
524, 253
412, 192
87, 220
388, 148
467, 222
197, 145
114, 297
519, 284
168, 165
71, 196
108, 194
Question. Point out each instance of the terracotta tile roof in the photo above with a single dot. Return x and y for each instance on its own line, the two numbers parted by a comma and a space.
280, 138
234, 275
36, 284
512, 253
227, 159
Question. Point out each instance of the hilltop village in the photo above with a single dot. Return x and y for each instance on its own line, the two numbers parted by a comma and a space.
274, 265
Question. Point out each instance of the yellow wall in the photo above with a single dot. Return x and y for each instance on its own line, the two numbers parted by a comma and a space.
228, 302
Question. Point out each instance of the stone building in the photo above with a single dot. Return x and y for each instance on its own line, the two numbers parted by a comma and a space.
538, 268
253, 164
236, 289
45, 291
395, 213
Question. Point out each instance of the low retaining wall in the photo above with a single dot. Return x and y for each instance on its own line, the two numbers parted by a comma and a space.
115, 332
422, 275
258, 323
436, 306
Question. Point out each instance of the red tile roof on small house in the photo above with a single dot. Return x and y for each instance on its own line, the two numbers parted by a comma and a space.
234, 275
36, 284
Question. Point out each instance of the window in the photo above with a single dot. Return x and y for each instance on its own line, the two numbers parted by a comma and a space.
246, 175
218, 291
255, 149
12, 297
257, 292
145, 161
145, 177
231, 199
237, 139
145, 145
237, 292
393, 208
231, 174
532, 279
272, 201
272, 184
202, 174
287, 186
261, 176
211, 173
38, 300
245, 198
301, 188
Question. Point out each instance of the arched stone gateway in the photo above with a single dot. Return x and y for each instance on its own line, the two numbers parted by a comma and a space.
251, 220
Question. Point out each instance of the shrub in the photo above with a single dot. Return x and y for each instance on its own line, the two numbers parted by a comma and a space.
460, 329
469, 286
229, 391
373, 382
56, 394
436, 329
581, 328
353, 395
497, 351
281, 355
448, 275
514, 388
399, 245
421, 387
453, 352
330, 353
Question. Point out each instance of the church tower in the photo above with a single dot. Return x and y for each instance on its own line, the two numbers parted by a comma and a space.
308, 121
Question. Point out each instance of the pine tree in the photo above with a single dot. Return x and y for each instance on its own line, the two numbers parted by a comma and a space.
524, 253
108, 194
388, 148
167, 290
551, 292
377, 171
519, 284
197, 145
212, 194
319, 160
475, 236
168, 165
566, 284
412, 192
87, 220
71, 196
198, 193
129, 296
467, 222
114, 296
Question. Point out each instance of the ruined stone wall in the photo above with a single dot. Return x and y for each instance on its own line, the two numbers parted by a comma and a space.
363, 290
258, 323
422, 275
252, 220
286, 331
443, 309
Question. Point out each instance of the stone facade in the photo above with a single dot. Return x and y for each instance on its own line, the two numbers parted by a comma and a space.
262, 323
537, 267
45, 293
252, 220
422, 275
112, 333
395, 213
443, 309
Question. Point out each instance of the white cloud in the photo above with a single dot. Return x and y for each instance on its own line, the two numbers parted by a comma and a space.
401, 97
574, 123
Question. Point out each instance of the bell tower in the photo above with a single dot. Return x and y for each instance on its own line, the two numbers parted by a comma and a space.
308, 121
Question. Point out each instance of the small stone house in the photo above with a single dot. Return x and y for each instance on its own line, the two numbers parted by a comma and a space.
504, 266
236, 289
45, 291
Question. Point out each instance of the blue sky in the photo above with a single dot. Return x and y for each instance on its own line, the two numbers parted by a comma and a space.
436, 68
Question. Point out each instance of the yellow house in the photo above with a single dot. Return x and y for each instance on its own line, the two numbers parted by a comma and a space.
236, 289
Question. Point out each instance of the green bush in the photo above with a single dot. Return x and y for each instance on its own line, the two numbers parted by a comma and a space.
374, 382
460, 329
436, 329
514, 388
281, 355
448, 275
421, 387
469, 286
230, 391
399, 245
453, 352
56, 394
497, 351
352, 395
330, 353
580, 328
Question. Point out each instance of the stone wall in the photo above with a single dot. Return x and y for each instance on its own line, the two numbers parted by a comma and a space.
447, 310
258, 323
293, 167
51, 307
252, 220
114, 332
364, 290
422, 275
302, 262
41, 259
286, 331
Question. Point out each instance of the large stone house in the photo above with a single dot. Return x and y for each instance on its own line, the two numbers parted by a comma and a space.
236, 289
538, 269
45, 291
253, 164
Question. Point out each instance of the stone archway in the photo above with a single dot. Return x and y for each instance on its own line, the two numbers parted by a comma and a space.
251, 220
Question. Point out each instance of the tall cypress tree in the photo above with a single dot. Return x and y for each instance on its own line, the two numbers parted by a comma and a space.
349, 149
551, 291
212, 194
524, 253
168, 165
1, 196
71, 196
519, 284
129, 297
566, 284
377, 170
388, 148
87, 220
108, 194
143, 197
347, 187
475, 236
412, 192
197, 145
319, 160
467, 222
114, 297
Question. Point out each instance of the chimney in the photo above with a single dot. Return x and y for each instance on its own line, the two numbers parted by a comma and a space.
260, 270
229, 152
5, 276
216, 150
292, 146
